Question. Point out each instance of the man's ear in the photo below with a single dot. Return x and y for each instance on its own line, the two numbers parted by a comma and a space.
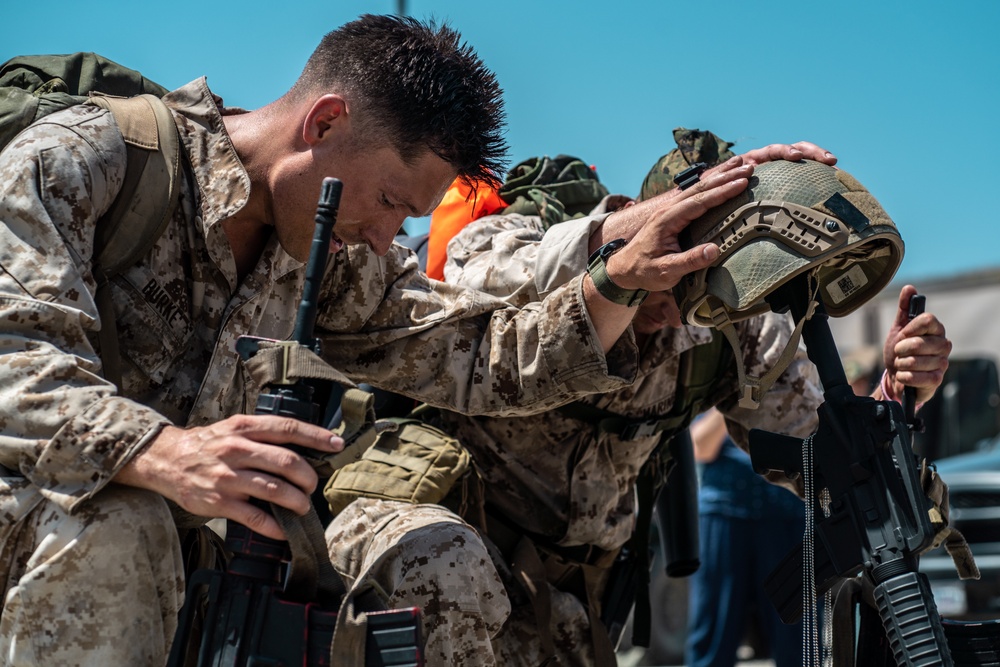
327, 116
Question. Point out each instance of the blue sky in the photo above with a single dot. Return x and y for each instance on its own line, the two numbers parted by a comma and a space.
904, 93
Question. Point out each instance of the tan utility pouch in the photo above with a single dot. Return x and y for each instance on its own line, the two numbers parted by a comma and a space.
416, 463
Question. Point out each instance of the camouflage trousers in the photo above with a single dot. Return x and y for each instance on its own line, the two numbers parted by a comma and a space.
426, 556
101, 586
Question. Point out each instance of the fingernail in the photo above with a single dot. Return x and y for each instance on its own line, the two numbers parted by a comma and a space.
711, 252
828, 154
336, 442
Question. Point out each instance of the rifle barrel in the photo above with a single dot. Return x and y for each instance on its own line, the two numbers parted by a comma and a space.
326, 218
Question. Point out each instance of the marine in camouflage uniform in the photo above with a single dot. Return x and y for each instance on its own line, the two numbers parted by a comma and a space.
93, 571
563, 481
548, 474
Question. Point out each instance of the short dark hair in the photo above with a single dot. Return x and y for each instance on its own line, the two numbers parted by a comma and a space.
418, 86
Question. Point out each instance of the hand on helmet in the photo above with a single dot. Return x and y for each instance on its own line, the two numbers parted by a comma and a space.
915, 352
653, 259
801, 150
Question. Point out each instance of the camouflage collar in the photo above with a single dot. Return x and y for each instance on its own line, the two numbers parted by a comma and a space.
223, 182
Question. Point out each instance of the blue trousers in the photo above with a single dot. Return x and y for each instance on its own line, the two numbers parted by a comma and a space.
736, 556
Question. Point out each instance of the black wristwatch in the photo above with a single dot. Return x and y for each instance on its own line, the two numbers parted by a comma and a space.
602, 281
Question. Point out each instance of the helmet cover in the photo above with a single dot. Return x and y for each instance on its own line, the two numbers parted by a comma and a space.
793, 217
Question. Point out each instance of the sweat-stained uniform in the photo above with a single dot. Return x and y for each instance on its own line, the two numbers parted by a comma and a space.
560, 479
92, 571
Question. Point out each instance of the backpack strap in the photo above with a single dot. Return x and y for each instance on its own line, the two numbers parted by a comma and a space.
142, 209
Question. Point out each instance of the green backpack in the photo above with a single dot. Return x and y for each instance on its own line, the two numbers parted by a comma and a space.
555, 189
32, 87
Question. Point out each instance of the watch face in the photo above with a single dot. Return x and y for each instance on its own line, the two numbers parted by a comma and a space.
611, 247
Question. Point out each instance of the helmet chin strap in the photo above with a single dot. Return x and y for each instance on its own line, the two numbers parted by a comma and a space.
753, 388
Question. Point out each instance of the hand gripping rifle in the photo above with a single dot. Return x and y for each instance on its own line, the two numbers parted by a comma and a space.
277, 603
878, 518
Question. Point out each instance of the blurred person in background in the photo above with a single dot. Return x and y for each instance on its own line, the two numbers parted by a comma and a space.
747, 525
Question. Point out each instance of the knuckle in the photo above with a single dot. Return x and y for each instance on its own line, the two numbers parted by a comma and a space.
270, 488
239, 422
288, 426
228, 446
311, 481
255, 519
286, 458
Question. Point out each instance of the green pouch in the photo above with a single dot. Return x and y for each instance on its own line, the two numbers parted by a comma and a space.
416, 463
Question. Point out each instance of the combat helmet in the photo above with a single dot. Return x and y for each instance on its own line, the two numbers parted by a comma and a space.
794, 218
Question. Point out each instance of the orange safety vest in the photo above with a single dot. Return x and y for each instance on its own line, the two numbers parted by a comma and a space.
460, 206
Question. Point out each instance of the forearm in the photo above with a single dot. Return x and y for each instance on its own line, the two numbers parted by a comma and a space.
513, 257
471, 352
62, 427
610, 320
68, 440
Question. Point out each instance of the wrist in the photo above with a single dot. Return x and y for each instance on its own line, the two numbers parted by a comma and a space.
889, 391
607, 287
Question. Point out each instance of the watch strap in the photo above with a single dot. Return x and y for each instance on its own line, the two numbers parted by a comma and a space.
597, 268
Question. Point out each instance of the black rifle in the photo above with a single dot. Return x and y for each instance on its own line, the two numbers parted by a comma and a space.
261, 611
878, 519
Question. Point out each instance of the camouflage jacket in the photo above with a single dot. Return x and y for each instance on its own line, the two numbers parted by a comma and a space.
559, 477
64, 431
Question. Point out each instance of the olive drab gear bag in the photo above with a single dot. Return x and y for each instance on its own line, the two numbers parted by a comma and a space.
554, 189
31, 87
414, 463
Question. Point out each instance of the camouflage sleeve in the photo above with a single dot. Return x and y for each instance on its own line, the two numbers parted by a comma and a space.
789, 407
61, 425
463, 349
514, 257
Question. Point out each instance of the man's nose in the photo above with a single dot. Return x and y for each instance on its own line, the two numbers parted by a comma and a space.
382, 233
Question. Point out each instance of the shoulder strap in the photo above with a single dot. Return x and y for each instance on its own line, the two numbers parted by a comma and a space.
142, 209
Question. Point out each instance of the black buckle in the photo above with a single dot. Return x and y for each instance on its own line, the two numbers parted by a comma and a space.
690, 176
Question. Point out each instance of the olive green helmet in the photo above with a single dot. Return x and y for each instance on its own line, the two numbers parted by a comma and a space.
793, 218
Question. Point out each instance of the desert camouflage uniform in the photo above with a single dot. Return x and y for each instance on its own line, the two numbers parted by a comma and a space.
92, 572
566, 483
547, 474
571, 484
